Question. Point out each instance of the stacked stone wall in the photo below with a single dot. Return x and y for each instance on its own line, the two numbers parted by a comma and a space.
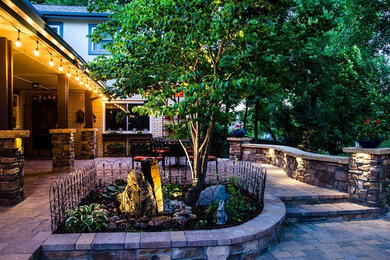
368, 179
88, 144
62, 150
330, 174
11, 173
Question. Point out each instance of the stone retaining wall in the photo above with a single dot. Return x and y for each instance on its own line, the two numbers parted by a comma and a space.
246, 241
319, 170
62, 149
88, 143
11, 166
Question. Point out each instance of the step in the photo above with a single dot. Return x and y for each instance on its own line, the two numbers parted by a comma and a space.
329, 212
338, 197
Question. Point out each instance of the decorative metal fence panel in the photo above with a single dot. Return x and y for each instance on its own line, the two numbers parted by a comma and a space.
66, 193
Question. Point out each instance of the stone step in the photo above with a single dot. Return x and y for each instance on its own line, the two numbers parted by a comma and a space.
332, 197
329, 212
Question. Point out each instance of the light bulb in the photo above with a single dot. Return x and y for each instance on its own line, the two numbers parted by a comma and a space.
86, 84
36, 52
100, 94
77, 75
18, 43
61, 68
68, 74
81, 82
95, 90
51, 62
89, 88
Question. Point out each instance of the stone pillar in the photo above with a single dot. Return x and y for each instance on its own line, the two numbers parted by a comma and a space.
88, 143
368, 176
11, 166
235, 150
62, 149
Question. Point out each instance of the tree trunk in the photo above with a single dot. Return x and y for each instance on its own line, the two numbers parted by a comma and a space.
256, 121
246, 113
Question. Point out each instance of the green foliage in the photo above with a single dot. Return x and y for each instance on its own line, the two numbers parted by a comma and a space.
61, 2
237, 206
114, 189
327, 72
172, 191
188, 59
86, 218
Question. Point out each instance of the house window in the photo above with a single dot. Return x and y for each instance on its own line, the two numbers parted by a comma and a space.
119, 117
97, 48
57, 27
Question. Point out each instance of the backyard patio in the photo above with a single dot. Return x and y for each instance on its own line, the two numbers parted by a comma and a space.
26, 226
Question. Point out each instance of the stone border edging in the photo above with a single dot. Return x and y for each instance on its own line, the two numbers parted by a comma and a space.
291, 151
264, 227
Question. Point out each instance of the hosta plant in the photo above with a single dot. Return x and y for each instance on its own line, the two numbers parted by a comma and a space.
86, 218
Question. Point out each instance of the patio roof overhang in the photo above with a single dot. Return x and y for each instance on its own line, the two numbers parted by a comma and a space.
21, 16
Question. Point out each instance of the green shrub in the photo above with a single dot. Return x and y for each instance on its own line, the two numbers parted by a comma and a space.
172, 191
237, 205
112, 190
86, 218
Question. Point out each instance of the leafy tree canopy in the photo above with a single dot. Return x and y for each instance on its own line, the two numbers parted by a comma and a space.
187, 58
62, 2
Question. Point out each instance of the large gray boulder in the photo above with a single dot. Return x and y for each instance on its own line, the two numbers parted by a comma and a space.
212, 195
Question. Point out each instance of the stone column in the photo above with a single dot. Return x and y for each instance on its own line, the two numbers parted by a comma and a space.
88, 143
62, 149
11, 166
235, 150
368, 176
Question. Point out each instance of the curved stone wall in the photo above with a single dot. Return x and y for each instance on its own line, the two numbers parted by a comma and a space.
246, 241
316, 169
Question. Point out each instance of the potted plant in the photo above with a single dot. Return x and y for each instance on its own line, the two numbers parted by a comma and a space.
371, 133
238, 131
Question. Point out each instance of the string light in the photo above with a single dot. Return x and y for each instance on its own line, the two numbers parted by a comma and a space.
51, 62
81, 81
18, 43
68, 73
36, 52
100, 94
95, 90
86, 84
77, 75
61, 68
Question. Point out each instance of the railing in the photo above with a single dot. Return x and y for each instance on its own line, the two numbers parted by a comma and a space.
66, 193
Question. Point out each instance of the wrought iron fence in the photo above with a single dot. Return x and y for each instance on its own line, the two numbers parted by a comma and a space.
66, 193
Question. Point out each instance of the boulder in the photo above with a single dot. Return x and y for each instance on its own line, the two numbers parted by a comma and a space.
212, 195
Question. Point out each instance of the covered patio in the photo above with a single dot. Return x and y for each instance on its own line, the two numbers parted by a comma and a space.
40, 76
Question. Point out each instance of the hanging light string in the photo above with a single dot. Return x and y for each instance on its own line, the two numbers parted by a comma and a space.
39, 46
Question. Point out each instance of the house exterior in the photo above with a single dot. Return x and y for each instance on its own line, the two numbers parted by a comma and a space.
73, 24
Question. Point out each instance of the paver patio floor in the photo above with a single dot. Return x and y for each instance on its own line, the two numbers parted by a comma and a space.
24, 227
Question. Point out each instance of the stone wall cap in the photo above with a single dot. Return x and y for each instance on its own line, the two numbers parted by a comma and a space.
273, 214
63, 131
302, 154
88, 129
375, 151
241, 139
10, 134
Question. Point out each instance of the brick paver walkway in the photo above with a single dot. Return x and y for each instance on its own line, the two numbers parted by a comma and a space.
24, 227
363, 239
282, 186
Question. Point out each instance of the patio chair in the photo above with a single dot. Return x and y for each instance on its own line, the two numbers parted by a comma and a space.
140, 151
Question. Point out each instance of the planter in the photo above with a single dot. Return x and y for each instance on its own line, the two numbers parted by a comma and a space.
369, 143
239, 133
